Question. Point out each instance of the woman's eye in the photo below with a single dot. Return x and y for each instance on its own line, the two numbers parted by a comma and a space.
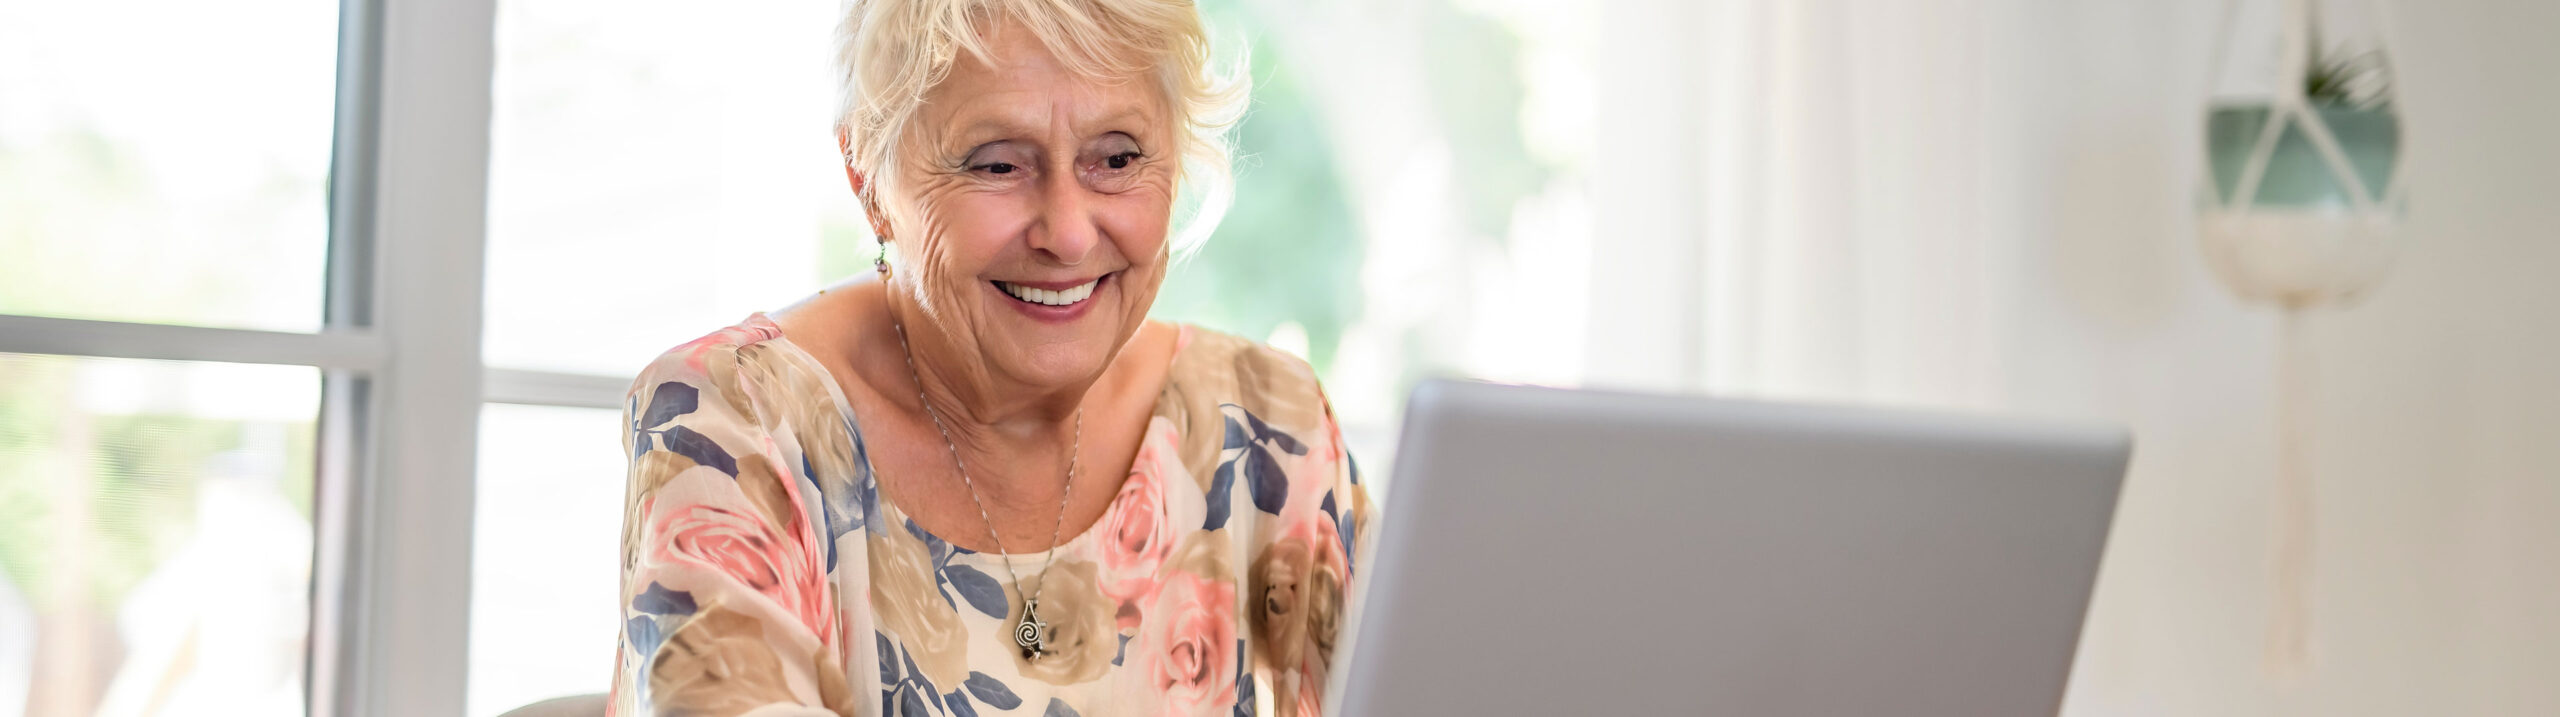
1121, 160
997, 168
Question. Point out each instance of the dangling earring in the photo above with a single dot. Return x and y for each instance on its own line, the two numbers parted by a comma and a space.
879, 228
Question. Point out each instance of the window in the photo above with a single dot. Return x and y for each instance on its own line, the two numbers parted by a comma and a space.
633, 140
166, 171
266, 286
546, 541
155, 176
127, 489
220, 490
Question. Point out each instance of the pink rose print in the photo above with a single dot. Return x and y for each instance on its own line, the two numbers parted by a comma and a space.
1187, 653
744, 547
756, 329
1137, 533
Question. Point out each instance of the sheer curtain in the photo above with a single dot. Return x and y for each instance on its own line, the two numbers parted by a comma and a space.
1827, 202
1859, 200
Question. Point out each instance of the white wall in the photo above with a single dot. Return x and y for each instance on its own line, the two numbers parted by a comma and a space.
2437, 425
2059, 139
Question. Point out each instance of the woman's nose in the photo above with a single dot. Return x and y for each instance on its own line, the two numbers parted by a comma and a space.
1066, 229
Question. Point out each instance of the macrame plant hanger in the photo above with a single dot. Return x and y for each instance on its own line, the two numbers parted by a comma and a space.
2302, 210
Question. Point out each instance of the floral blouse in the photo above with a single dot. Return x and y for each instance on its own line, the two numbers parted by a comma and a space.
764, 573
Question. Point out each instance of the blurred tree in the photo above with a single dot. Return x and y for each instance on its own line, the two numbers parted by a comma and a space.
1288, 250
1292, 249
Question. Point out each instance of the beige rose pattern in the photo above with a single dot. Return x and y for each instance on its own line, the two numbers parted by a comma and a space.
763, 572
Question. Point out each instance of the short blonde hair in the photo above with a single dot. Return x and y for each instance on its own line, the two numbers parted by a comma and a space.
889, 53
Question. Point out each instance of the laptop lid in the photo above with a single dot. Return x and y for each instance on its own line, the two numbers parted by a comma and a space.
1546, 551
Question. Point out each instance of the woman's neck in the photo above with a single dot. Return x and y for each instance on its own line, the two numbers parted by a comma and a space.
988, 419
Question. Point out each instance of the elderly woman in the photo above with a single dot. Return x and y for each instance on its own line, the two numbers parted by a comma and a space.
984, 482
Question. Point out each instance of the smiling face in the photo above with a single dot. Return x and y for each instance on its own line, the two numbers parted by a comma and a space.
1031, 210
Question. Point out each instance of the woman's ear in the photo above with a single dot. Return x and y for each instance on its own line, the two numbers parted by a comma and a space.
870, 204
861, 185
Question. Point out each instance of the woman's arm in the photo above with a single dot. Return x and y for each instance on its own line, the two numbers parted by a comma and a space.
727, 605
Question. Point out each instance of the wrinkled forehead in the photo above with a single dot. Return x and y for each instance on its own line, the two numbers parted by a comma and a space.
1022, 85
1005, 37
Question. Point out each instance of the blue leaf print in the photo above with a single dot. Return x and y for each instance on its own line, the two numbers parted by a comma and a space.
888, 701
910, 704
642, 443
914, 675
919, 685
685, 442
671, 399
922, 684
1059, 708
826, 507
981, 590
643, 635
842, 498
1264, 431
1328, 505
959, 705
1349, 556
1262, 475
1244, 684
992, 692
1270, 484
1236, 437
1221, 489
888, 660
1123, 654
1354, 465
864, 485
940, 549
658, 600
848, 501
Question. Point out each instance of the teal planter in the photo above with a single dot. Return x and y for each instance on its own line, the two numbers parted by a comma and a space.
2297, 176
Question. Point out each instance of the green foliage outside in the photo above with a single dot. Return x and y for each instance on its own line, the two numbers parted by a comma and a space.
1291, 250
136, 477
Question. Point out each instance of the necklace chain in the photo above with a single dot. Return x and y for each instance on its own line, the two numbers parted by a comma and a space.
1029, 634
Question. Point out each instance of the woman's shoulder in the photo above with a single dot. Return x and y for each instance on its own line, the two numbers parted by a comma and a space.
1213, 369
1224, 391
747, 369
709, 361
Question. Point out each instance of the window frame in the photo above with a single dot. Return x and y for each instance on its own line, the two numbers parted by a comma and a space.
400, 353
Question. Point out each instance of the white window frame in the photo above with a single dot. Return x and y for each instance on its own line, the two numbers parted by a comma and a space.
400, 354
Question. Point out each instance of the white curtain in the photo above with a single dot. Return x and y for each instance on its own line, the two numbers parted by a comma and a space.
1830, 207
1857, 201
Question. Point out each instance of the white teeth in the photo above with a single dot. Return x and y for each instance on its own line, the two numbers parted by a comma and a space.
1063, 297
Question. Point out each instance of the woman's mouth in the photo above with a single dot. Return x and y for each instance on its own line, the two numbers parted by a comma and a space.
1062, 296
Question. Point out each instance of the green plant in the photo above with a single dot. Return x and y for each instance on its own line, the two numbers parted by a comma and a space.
2342, 76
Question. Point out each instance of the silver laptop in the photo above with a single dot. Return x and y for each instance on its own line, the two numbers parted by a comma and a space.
1552, 552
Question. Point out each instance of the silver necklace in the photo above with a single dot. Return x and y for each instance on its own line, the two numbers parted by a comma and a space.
1030, 634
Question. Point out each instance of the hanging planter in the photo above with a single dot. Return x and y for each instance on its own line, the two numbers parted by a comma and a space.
2304, 202
2303, 208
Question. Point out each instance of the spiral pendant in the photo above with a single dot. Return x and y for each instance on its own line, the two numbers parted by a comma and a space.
1031, 634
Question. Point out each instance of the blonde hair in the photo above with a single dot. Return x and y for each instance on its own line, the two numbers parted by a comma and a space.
889, 53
